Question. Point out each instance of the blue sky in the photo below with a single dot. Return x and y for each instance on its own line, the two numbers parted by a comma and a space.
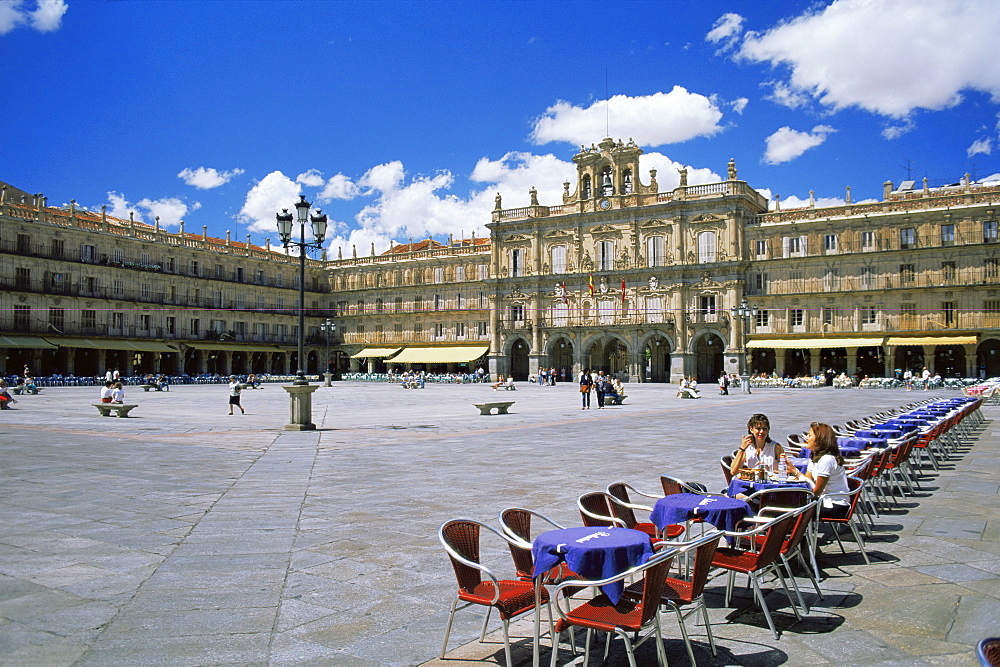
404, 119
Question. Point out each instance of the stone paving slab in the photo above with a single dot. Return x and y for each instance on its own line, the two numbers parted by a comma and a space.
185, 536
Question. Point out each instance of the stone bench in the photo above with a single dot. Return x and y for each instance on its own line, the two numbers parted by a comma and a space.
501, 407
120, 409
147, 387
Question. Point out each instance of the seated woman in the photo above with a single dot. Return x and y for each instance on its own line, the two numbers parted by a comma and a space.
106, 391
163, 384
499, 383
826, 470
5, 398
117, 393
688, 389
757, 448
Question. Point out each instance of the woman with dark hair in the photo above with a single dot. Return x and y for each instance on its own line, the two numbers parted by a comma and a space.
757, 448
826, 469
586, 384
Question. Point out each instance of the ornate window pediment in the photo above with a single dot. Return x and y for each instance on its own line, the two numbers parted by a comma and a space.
605, 231
707, 217
559, 234
655, 224
517, 239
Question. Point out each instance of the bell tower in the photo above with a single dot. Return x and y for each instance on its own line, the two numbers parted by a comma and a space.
606, 172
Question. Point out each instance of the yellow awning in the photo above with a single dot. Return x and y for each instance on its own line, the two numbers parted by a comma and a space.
25, 341
934, 340
376, 352
441, 355
112, 344
234, 347
813, 343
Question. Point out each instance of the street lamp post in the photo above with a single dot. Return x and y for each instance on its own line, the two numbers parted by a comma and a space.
300, 392
744, 312
328, 327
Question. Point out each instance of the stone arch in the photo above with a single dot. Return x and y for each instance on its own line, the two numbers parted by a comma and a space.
517, 350
988, 358
709, 349
656, 347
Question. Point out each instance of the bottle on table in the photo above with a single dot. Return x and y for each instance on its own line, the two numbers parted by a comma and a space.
783, 469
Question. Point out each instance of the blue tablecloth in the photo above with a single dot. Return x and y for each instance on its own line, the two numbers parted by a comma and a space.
593, 553
723, 513
746, 488
879, 432
801, 463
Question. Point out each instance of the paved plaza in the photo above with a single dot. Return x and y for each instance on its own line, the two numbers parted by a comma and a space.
185, 536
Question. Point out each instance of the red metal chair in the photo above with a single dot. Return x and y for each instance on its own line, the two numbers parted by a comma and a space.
756, 563
516, 523
792, 546
478, 585
628, 619
624, 510
727, 467
988, 652
846, 518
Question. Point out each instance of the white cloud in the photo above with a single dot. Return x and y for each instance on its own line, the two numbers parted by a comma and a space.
786, 96
170, 210
891, 132
787, 144
667, 175
890, 57
651, 120
739, 104
726, 30
269, 196
207, 178
312, 178
984, 146
338, 187
45, 17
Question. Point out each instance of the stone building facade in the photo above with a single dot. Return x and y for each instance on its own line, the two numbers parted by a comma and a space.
618, 276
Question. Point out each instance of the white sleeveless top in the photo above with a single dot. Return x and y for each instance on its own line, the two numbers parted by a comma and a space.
766, 456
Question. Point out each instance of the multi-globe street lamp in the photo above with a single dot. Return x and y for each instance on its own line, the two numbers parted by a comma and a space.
328, 327
744, 312
300, 391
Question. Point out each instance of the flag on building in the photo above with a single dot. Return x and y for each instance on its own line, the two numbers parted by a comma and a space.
591, 284
623, 291
562, 292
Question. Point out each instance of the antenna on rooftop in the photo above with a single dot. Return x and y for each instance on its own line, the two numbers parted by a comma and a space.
909, 168
607, 104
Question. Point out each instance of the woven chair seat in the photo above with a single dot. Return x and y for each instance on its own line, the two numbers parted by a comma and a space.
600, 614
516, 597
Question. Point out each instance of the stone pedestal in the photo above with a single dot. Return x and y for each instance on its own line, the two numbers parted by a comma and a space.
326, 379
300, 407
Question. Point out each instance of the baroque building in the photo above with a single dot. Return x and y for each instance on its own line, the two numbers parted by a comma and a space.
617, 276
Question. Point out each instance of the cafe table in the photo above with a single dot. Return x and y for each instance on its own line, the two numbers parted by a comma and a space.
747, 487
887, 432
722, 512
593, 553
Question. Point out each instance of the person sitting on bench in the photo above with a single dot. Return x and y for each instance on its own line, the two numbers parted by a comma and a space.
106, 391
117, 393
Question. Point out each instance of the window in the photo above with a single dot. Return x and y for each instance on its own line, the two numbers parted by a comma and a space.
586, 186
117, 256
830, 243
558, 256
58, 248
991, 269
22, 278
89, 285
560, 314
991, 311
947, 234
241, 301
88, 253
763, 318
948, 272
145, 291
56, 281
379, 306
517, 313
948, 311
869, 315
168, 264
195, 328
460, 329
760, 248
438, 275
23, 244
706, 247
218, 326
144, 259
397, 305
361, 307
654, 251
118, 321
459, 273
438, 302
707, 308
88, 320
627, 182
281, 330
758, 282
516, 262
795, 281
144, 323
171, 326
279, 279
241, 274
118, 287
482, 271
990, 231
458, 302
218, 270
829, 316
907, 238
907, 315
654, 309
217, 298
867, 241
481, 329
606, 311
831, 281
57, 319
605, 255
867, 276
793, 246
484, 301
22, 318
795, 317
194, 267
907, 273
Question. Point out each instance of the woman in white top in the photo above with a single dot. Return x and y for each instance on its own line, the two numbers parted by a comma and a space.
757, 448
117, 393
826, 470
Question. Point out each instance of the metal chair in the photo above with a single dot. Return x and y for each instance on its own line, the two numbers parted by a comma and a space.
478, 585
624, 509
988, 652
628, 619
516, 523
855, 485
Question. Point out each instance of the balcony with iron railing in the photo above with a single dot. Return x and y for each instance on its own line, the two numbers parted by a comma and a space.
959, 278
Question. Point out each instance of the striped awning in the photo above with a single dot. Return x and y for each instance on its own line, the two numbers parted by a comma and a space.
234, 347
934, 340
379, 352
441, 355
111, 344
26, 341
813, 343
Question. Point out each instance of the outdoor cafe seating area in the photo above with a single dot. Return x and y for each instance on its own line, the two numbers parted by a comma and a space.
637, 565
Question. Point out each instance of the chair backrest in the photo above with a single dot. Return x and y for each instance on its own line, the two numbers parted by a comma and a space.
787, 498
703, 555
517, 521
461, 537
620, 491
988, 652
800, 527
854, 486
774, 539
727, 467
673, 485
595, 510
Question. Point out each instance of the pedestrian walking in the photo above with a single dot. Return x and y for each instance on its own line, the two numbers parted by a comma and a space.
234, 394
586, 383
